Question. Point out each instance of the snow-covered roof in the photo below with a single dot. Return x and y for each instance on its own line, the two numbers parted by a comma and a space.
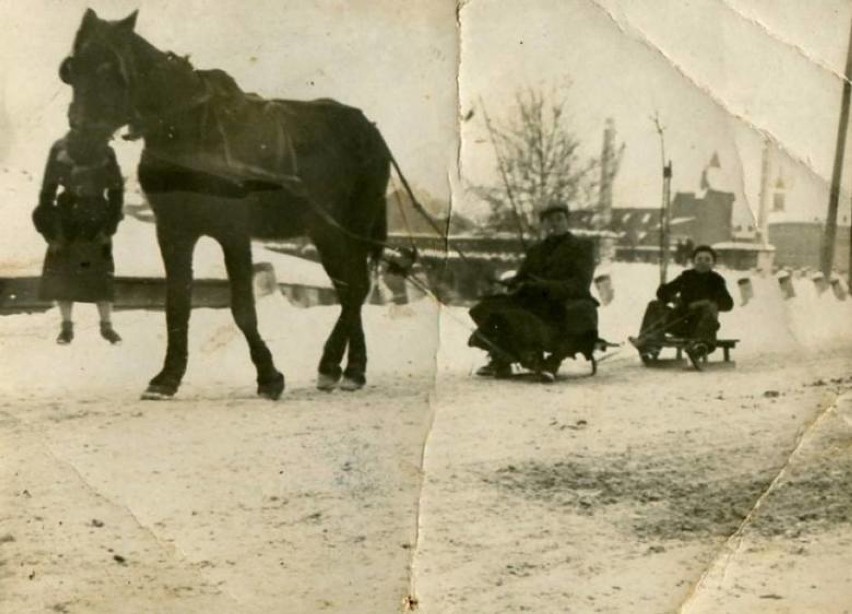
745, 247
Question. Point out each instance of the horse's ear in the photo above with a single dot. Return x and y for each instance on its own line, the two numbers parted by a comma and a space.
128, 23
90, 18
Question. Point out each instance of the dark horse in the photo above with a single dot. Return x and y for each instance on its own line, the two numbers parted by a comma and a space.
230, 165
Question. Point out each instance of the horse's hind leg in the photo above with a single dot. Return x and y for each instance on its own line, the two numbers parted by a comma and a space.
329, 370
354, 376
176, 249
348, 271
270, 382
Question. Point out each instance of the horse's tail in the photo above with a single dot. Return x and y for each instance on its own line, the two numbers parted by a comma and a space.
376, 159
441, 232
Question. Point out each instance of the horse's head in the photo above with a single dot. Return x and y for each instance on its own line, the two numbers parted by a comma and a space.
102, 73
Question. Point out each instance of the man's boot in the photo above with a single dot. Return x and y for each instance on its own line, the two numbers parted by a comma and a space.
495, 368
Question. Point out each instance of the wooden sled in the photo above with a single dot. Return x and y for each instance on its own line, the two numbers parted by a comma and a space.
601, 345
518, 372
651, 358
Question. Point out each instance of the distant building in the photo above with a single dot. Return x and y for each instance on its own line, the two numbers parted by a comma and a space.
799, 244
697, 219
705, 219
634, 225
694, 218
795, 222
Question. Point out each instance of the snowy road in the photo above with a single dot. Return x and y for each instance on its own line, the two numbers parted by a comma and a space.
607, 494
616, 494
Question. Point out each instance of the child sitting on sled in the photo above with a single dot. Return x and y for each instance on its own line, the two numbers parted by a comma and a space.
688, 308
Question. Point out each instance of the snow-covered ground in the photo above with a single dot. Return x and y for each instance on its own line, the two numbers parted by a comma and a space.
613, 493
402, 339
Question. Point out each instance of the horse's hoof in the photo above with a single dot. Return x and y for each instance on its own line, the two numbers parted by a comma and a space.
326, 382
351, 384
158, 392
272, 390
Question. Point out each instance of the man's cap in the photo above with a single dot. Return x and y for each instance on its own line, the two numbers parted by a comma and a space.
553, 209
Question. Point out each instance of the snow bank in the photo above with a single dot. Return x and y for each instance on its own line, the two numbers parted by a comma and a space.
403, 340
768, 323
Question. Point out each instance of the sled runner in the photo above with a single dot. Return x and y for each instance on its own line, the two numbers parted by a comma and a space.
651, 356
519, 371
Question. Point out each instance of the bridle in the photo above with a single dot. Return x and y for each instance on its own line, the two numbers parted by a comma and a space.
126, 72
140, 123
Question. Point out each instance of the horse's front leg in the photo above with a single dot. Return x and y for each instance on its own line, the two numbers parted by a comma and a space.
176, 250
270, 382
346, 265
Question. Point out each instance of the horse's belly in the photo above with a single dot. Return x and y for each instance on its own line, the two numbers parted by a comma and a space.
261, 215
276, 215
207, 203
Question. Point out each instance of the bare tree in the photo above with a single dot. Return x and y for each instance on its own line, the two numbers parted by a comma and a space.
540, 164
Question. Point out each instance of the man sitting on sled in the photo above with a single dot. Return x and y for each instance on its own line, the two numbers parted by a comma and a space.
548, 313
697, 296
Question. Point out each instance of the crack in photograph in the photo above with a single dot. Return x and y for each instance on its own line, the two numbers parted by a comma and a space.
442, 306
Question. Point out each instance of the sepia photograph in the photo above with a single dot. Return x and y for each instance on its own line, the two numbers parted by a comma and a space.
438, 306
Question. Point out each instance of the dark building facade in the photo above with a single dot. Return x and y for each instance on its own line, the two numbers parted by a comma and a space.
799, 244
693, 219
706, 219
637, 226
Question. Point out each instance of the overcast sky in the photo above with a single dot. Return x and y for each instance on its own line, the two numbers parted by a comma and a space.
397, 61
719, 72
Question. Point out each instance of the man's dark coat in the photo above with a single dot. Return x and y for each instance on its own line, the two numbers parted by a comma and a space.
549, 307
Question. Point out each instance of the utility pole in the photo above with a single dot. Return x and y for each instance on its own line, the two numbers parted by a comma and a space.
763, 204
665, 205
830, 237
665, 228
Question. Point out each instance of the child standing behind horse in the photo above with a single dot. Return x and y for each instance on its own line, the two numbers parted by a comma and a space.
78, 225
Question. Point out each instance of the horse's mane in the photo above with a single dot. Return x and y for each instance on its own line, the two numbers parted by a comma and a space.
233, 133
222, 85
